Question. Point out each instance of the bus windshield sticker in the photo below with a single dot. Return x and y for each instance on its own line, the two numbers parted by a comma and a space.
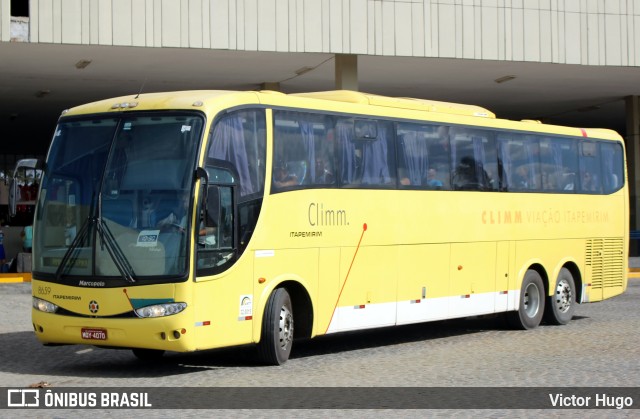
185, 128
148, 238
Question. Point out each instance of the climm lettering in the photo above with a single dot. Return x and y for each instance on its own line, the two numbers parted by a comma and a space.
502, 217
319, 216
545, 217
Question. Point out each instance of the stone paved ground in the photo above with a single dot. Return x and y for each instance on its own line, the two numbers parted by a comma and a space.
600, 347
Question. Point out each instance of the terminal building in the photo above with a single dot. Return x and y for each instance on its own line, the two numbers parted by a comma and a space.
567, 62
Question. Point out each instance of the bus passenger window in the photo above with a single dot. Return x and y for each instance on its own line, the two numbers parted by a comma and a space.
324, 173
590, 171
367, 161
551, 164
303, 146
413, 156
520, 163
378, 159
476, 160
440, 155
612, 166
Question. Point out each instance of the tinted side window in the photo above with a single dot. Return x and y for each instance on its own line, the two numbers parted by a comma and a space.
303, 150
240, 139
475, 165
558, 164
423, 156
612, 166
590, 169
366, 159
520, 162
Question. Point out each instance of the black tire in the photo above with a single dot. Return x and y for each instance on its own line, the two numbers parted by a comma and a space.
277, 329
532, 299
561, 304
148, 355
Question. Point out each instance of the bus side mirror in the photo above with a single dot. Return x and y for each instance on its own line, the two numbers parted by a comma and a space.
219, 214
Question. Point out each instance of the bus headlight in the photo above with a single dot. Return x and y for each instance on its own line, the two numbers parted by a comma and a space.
161, 310
42, 305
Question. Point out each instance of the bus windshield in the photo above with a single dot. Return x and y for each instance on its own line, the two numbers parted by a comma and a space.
115, 197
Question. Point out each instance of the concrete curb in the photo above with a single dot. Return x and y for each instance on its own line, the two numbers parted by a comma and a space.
14, 278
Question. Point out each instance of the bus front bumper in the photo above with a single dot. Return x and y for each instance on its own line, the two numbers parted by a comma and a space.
171, 333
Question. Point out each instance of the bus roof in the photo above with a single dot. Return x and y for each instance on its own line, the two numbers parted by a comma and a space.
189, 99
399, 102
207, 99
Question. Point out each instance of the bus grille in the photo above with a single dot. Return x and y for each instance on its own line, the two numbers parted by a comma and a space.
605, 256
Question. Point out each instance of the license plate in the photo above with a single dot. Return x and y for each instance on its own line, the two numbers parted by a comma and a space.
94, 334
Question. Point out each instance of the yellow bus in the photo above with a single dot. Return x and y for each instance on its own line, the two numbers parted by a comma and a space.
205, 219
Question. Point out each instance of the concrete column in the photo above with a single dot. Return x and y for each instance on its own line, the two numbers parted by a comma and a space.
632, 141
346, 72
5, 20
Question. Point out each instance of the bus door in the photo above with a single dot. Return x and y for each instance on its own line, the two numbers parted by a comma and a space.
223, 293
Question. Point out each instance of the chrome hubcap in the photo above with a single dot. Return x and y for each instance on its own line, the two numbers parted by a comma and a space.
531, 300
563, 297
286, 327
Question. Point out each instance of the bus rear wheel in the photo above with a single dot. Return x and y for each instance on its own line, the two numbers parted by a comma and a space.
277, 329
562, 303
532, 299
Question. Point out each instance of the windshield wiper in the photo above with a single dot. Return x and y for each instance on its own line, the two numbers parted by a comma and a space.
73, 249
117, 255
107, 240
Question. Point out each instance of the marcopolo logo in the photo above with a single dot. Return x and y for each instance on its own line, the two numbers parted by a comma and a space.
93, 306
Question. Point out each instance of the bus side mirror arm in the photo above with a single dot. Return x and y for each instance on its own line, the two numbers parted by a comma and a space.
202, 173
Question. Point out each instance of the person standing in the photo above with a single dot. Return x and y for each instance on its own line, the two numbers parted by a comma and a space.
2, 254
27, 238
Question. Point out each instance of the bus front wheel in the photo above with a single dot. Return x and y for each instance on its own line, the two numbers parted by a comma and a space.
532, 299
562, 303
277, 329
